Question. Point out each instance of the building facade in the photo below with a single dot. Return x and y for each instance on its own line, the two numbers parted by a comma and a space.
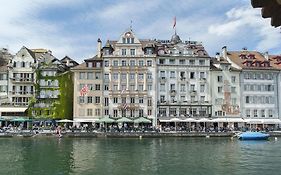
183, 86
258, 85
130, 77
88, 90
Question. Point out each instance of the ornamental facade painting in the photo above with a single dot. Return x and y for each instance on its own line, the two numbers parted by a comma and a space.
228, 107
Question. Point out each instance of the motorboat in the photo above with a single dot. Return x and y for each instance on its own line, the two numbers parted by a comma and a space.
253, 136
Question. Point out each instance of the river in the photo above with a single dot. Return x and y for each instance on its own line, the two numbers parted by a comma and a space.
155, 156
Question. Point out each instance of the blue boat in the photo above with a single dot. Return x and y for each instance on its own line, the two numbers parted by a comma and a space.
253, 136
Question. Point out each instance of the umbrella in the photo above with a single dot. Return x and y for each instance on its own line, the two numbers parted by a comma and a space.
106, 120
65, 121
142, 120
21, 120
124, 120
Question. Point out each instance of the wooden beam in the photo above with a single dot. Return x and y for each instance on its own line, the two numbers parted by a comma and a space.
260, 3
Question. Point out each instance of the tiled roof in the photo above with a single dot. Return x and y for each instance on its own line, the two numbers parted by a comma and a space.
250, 60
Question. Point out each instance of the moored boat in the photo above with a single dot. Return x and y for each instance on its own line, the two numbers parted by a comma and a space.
253, 136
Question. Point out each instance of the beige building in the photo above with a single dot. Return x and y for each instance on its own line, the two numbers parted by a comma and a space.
130, 77
88, 92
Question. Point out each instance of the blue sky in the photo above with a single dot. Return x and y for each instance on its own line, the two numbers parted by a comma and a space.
72, 27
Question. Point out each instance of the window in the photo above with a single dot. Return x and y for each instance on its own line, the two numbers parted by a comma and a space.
97, 87
81, 99
97, 100
172, 74
132, 99
172, 61
202, 75
192, 87
90, 64
123, 51
262, 113
140, 76
115, 113
106, 87
172, 87
115, 63
182, 87
219, 78
182, 61
202, 88
123, 62
247, 99
133, 51
149, 87
248, 113
115, 100
140, 87
162, 98
123, 77
106, 101
82, 75
89, 112
115, 76
192, 75
97, 112
98, 75
149, 76
255, 113
123, 100
89, 99
270, 113
192, 98
141, 100
132, 62
149, 112
201, 62
233, 79
161, 61
106, 112
233, 89
202, 98
173, 111
132, 87
220, 89
149, 63
132, 76
149, 102
162, 87
140, 112
141, 63
192, 62
233, 101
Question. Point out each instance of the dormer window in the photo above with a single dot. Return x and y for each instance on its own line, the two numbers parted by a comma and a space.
251, 56
242, 56
266, 64
89, 64
258, 64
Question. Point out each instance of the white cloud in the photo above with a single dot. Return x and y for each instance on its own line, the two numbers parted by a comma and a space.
247, 22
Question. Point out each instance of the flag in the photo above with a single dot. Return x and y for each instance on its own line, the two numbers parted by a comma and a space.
125, 106
175, 22
84, 90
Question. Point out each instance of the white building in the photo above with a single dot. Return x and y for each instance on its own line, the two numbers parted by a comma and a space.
225, 90
183, 86
129, 77
258, 86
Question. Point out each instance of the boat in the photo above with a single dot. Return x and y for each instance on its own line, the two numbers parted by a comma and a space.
253, 136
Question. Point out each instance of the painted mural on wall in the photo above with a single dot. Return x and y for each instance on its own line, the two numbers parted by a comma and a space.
227, 106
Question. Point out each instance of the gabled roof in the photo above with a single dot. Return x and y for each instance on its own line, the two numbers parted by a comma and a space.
247, 59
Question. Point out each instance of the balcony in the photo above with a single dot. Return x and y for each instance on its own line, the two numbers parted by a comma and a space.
193, 92
203, 80
162, 79
173, 92
22, 80
22, 93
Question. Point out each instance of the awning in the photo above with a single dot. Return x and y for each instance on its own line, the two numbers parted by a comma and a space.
228, 119
142, 120
85, 120
21, 120
271, 121
254, 121
105, 120
172, 120
124, 120
203, 120
13, 109
65, 121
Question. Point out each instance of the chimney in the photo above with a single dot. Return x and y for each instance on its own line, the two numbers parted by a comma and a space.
224, 52
218, 56
266, 56
99, 48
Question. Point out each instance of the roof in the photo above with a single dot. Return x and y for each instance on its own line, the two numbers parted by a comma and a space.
251, 60
3, 68
270, 9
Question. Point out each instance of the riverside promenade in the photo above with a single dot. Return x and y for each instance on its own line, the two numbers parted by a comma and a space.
124, 134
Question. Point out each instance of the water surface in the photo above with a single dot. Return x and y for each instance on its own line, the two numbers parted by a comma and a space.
155, 156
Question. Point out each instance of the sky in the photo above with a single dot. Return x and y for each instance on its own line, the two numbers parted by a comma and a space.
72, 27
